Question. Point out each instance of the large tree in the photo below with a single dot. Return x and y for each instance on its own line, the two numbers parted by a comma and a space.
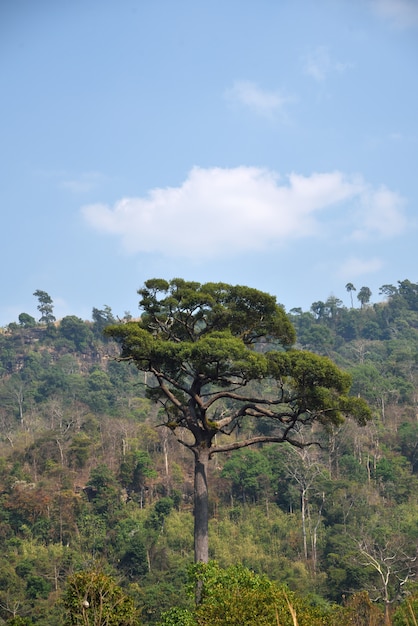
211, 349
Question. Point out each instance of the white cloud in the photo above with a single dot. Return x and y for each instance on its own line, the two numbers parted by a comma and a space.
382, 214
402, 13
259, 101
354, 267
318, 64
218, 213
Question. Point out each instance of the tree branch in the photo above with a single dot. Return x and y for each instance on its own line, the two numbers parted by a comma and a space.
261, 439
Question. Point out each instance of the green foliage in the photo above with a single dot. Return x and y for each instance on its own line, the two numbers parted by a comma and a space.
237, 596
408, 443
192, 310
162, 508
409, 293
250, 474
76, 332
102, 318
79, 450
19, 621
134, 560
100, 391
37, 587
177, 617
135, 469
225, 318
27, 321
93, 531
94, 599
104, 491
360, 611
407, 613
364, 295
317, 338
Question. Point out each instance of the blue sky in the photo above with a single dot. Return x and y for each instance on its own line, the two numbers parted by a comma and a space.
270, 143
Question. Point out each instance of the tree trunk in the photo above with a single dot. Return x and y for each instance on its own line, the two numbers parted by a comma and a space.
201, 511
303, 513
388, 621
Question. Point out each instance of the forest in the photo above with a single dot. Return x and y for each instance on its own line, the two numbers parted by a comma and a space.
98, 477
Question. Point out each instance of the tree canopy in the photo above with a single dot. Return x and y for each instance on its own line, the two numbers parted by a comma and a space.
204, 344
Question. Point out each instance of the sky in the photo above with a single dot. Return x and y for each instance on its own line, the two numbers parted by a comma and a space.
268, 143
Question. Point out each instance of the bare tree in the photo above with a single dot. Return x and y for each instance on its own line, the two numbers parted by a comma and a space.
303, 468
393, 565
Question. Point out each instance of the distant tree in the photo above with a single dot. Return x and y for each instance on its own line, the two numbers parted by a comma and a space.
74, 329
408, 440
304, 471
157, 517
13, 394
371, 384
249, 473
102, 318
203, 346
348, 324
350, 288
100, 391
409, 292
332, 309
311, 335
45, 307
134, 560
364, 296
103, 491
318, 338
134, 471
26, 320
79, 450
318, 309
388, 290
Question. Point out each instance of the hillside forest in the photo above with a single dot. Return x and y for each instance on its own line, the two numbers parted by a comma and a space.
97, 494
